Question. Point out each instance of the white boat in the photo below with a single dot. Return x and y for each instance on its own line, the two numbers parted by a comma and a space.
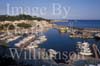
5, 37
37, 41
97, 36
84, 49
32, 45
2, 35
12, 39
42, 38
17, 44
52, 53
24, 40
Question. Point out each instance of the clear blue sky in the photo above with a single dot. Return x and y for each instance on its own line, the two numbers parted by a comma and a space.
79, 9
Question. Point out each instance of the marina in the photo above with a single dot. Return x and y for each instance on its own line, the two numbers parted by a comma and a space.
55, 39
84, 49
78, 32
58, 39
50, 33
72, 33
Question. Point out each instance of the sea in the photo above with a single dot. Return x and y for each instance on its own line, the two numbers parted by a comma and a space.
62, 42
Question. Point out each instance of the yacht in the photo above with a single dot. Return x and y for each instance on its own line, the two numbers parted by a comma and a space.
37, 41
32, 45
42, 38
52, 53
2, 35
26, 39
97, 36
84, 49
5, 37
12, 39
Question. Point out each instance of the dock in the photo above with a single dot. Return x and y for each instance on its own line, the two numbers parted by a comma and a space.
92, 30
77, 32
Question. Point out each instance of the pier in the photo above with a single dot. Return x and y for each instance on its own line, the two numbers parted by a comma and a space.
92, 30
75, 32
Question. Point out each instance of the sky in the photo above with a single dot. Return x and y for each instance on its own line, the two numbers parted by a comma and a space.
53, 9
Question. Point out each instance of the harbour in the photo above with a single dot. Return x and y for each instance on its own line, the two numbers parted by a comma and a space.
50, 33
60, 39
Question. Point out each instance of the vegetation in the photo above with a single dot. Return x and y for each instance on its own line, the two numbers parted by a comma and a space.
5, 26
10, 26
19, 17
3, 43
23, 25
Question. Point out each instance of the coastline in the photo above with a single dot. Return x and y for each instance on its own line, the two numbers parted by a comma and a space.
54, 38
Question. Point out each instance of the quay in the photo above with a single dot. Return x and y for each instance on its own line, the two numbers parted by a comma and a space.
75, 32
92, 30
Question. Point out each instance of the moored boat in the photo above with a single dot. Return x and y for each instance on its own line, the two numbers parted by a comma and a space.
12, 39
84, 49
97, 36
